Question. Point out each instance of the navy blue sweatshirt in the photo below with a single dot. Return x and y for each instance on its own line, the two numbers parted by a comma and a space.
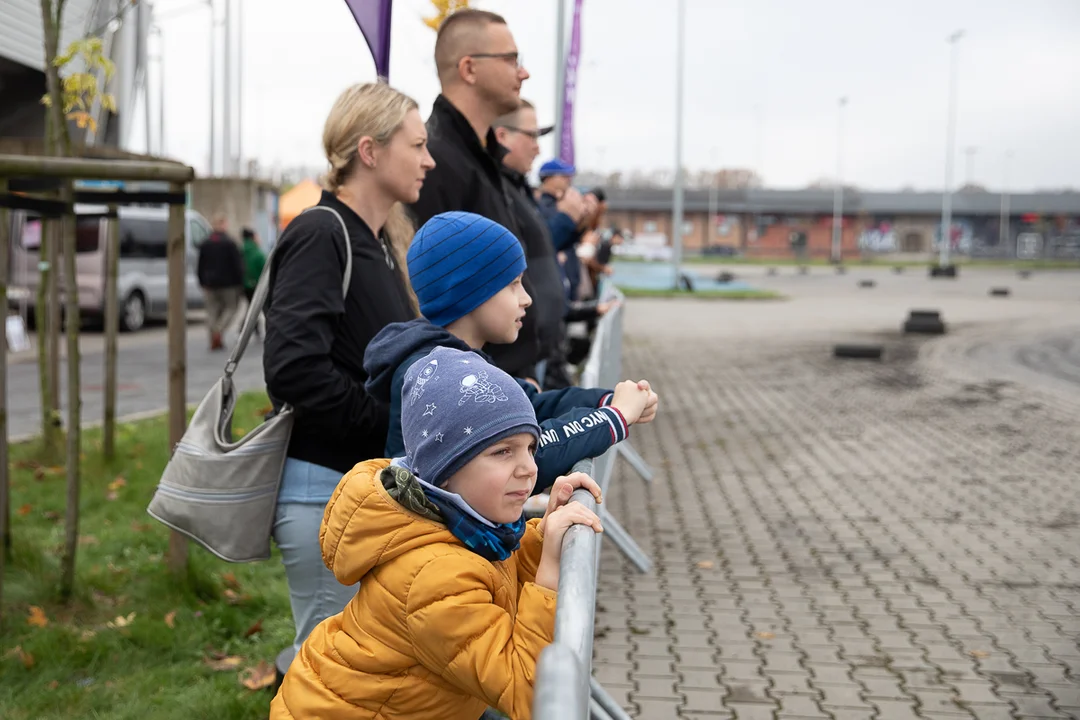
575, 423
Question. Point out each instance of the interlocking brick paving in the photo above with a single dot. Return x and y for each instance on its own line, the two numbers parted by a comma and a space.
841, 539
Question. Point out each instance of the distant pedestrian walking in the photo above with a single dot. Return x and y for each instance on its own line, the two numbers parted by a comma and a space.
221, 277
254, 260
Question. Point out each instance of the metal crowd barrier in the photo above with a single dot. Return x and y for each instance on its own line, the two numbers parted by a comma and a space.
565, 688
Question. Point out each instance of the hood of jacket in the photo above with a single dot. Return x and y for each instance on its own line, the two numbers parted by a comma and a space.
395, 344
364, 527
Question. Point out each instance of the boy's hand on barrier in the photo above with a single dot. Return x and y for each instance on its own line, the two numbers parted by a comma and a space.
563, 488
649, 413
561, 520
631, 399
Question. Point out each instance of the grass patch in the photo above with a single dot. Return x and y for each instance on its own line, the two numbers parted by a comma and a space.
134, 642
710, 294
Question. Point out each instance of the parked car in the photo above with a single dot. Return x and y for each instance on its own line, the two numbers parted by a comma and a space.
142, 278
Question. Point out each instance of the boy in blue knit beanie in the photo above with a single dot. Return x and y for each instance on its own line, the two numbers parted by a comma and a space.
466, 271
456, 591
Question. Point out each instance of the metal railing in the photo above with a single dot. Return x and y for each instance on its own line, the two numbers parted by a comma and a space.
565, 688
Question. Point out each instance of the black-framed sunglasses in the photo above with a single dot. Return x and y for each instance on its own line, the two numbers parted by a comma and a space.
534, 134
511, 56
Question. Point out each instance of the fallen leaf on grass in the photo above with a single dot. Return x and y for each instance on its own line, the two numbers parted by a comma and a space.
55, 470
37, 617
51, 516
39, 473
54, 684
88, 540
230, 581
170, 619
706, 564
25, 509
258, 677
234, 598
764, 635
239, 432
24, 657
229, 662
121, 621
139, 527
118, 483
264, 411
255, 628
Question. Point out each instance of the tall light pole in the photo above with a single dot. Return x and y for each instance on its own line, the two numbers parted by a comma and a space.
969, 174
213, 89
838, 191
226, 97
560, 71
677, 201
712, 198
240, 86
1004, 221
950, 152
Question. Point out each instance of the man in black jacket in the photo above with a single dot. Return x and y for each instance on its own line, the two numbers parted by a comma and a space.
518, 132
481, 75
221, 277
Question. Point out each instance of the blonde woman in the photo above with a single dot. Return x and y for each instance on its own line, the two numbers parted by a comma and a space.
376, 145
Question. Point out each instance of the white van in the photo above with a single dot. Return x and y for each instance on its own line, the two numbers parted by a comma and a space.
143, 278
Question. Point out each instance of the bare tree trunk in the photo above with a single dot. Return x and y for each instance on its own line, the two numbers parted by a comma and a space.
57, 142
112, 322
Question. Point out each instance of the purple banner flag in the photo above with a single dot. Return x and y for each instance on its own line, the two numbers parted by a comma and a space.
373, 17
566, 142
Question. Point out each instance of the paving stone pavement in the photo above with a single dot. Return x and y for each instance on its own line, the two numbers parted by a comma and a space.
841, 539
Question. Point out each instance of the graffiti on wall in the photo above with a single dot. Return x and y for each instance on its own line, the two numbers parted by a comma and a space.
879, 236
961, 236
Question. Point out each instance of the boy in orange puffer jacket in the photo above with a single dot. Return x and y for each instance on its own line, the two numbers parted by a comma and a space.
457, 592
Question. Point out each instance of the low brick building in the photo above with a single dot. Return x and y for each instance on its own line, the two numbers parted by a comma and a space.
763, 223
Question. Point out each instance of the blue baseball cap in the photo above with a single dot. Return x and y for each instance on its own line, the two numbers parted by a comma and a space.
556, 167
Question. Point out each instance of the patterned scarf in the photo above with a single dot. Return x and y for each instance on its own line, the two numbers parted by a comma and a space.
494, 543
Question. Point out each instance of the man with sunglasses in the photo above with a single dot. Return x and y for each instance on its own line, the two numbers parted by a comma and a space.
481, 74
518, 132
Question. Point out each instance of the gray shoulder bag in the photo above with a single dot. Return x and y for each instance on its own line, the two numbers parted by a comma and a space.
223, 494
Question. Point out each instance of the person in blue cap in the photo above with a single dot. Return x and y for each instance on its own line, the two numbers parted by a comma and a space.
466, 271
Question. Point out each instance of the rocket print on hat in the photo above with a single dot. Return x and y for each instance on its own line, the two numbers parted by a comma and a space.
480, 389
426, 375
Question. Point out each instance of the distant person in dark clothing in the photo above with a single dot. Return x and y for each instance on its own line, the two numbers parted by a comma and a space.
600, 263
518, 132
566, 211
221, 277
254, 261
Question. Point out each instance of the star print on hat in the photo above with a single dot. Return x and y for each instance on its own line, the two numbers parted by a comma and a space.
454, 406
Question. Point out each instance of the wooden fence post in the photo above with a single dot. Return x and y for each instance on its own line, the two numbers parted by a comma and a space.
177, 324
5, 498
112, 327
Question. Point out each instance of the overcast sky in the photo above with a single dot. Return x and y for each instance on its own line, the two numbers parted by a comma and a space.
763, 78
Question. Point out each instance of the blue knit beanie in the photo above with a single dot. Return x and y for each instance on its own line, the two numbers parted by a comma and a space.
454, 405
458, 261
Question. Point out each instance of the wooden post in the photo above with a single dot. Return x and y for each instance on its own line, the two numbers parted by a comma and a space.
53, 323
74, 399
5, 499
112, 328
177, 324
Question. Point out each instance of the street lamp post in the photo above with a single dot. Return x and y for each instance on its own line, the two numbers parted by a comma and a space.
677, 203
1004, 222
950, 139
838, 191
710, 237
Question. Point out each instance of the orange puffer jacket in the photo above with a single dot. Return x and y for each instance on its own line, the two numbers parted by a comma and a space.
435, 630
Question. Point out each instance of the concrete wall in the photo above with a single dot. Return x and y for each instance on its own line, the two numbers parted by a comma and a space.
245, 201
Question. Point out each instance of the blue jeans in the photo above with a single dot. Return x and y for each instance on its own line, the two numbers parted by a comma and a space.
314, 593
